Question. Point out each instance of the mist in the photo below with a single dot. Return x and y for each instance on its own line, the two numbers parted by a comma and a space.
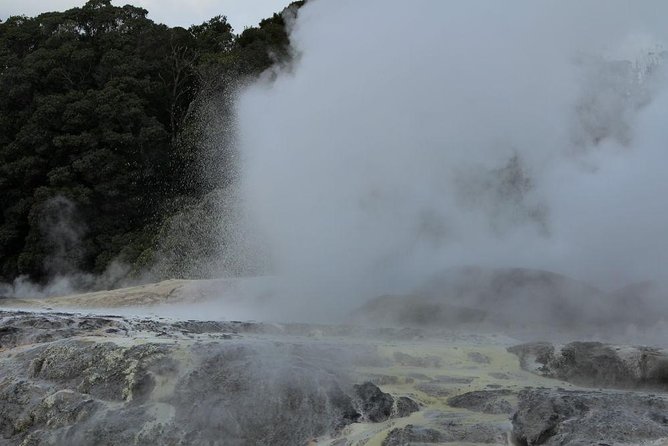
405, 141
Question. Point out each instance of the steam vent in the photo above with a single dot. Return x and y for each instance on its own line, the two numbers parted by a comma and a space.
333, 223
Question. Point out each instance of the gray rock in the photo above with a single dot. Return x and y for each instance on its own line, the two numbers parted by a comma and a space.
70, 379
452, 432
374, 404
559, 417
533, 355
596, 364
103, 370
485, 401
406, 406
383, 380
412, 434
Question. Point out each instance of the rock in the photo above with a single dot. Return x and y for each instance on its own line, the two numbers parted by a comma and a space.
260, 395
65, 408
554, 417
452, 432
17, 397
70, 379
596, 364
406, 406
103, 370
412, 434
533, 355
384, 380
485, 401
374, 404
22, 328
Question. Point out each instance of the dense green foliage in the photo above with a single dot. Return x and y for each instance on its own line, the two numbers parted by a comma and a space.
103, 130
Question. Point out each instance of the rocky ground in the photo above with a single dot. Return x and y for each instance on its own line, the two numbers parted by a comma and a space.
69, 378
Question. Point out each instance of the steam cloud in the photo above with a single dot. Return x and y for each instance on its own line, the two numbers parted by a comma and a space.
408, 139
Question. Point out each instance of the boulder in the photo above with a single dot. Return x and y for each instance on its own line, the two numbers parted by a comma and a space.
554, 417
376, 405
596, 364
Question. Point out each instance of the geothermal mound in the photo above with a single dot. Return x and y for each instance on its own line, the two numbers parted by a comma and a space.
515, 298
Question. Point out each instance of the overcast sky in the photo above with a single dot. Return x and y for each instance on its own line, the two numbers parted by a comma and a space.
240, 13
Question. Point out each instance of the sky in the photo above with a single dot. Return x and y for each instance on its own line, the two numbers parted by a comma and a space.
240, 13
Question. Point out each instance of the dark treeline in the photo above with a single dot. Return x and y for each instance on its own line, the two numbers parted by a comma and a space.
105, 122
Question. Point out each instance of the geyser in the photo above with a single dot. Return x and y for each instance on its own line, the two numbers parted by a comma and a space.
403, 141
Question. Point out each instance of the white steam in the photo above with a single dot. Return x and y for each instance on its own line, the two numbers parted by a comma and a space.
409, 138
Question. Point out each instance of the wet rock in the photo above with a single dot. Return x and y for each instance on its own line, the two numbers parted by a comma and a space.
103, 370
91, 382
412, 434
596, 364
64, 408
261, 395
533, 355
107, 380
406, 406
18, 329
384, 380
485, 401
199, 327
557, 417
374, 403
452, 432
17, 397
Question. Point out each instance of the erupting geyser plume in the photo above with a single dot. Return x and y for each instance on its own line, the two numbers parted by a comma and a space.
406, 139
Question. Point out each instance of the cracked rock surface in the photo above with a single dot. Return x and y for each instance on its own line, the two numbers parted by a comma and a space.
68, 379
597, 364
553, 417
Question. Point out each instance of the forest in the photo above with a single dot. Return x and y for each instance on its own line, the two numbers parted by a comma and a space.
117, 139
